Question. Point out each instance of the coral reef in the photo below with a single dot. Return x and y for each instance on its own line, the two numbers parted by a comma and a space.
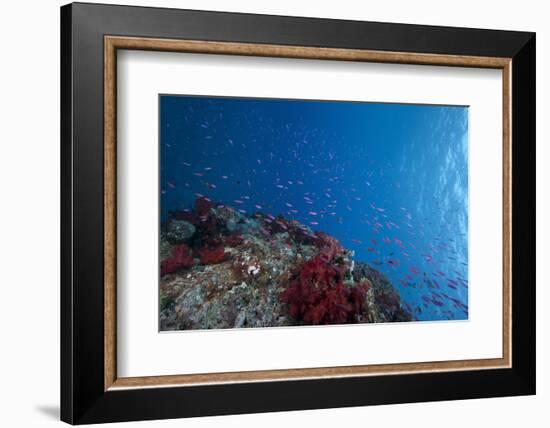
223, 269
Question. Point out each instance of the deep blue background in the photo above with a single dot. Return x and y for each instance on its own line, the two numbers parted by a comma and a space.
390, 181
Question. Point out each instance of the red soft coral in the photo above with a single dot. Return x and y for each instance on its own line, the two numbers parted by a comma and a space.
203, 206
180, 259
329, 247
210, 256
318, 296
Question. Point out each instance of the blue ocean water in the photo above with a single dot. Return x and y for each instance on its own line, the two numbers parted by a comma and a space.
390, 181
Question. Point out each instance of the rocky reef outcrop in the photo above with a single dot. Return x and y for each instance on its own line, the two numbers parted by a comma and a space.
223, 269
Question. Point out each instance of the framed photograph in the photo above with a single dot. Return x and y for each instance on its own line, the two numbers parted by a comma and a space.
266, 213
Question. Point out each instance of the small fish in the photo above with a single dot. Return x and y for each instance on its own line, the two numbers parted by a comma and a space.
314, 223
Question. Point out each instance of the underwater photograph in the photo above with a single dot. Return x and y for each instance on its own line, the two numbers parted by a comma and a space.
288, 212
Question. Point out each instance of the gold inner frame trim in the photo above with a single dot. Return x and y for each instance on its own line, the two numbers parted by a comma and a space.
113, 43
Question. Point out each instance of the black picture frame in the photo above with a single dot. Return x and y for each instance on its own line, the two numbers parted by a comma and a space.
83, 398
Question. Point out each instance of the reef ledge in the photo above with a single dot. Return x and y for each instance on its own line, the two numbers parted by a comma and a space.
221, 268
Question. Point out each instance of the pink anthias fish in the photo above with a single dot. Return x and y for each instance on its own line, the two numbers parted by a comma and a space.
280, 223
398, 242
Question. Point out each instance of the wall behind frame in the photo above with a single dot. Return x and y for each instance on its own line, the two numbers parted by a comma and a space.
29, 226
